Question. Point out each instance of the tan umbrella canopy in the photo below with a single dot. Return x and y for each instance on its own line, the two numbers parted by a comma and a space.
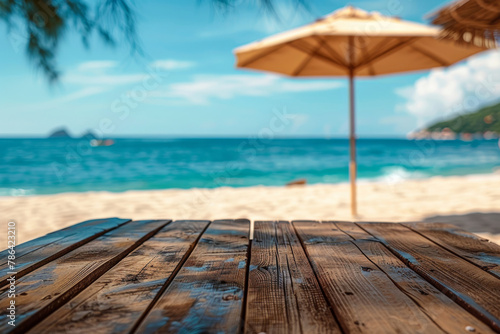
476, 21
352, 42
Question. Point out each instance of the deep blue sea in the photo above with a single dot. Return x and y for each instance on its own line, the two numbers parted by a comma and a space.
47, 166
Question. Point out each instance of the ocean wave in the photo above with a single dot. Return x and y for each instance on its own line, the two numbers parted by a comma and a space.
43, 166
16, 192
397, 174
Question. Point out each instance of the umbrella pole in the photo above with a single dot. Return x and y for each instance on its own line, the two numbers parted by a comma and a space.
352, 145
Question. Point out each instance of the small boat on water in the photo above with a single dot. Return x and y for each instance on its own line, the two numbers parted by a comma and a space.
102, 142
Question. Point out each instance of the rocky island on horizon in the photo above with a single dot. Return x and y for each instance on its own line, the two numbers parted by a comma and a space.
60, 133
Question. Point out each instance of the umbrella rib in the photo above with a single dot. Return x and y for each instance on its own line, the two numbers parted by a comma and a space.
363, 48
386, 52
379, 46
262, 54
335, 56
302, 46
319, 56
430, 55
307, 60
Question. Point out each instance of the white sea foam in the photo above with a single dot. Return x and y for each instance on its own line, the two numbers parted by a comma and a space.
16, 192
397, 174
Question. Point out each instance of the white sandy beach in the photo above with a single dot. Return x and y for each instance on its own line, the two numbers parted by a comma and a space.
471, 202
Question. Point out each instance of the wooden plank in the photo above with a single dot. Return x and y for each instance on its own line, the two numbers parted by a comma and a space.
283, 293
116, 301
442, 310
462, 243
364, 299
44, 290
33, 245
38, 252
206, 295
471, 287
354, 231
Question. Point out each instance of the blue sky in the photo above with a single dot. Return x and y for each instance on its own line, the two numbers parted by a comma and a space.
195, 89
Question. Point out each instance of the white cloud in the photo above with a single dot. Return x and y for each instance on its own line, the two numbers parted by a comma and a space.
92, 78
82, 93
88, 79
461, 88
102, 73
203, 89
99, 73
171, 64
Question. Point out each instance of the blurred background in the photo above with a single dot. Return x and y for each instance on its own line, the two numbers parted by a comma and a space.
135, 109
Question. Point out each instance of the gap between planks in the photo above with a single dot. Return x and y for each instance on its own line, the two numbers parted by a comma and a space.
363, 299
325, 297
208, 291
167, 283
248, 259
68, 235
443, 311
76, 284
487, 267
477, 302
247, 278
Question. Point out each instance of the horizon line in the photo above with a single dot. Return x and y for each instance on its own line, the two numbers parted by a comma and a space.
193, 136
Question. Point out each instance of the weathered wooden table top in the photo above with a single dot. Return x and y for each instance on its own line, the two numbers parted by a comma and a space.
120, 276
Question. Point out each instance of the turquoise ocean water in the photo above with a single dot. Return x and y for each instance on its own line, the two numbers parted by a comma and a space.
47, 166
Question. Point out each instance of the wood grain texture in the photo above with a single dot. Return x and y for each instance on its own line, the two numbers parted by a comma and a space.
468, 285
442, 310
38, 252
363, 297
108, 276
206, 295
114, 302
283, 293
462, 243
44, 290
354, 231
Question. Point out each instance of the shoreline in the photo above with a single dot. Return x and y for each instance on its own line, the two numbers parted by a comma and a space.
360, 181
472, 202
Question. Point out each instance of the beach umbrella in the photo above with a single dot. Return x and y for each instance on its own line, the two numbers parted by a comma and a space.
469, 20
354, 43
